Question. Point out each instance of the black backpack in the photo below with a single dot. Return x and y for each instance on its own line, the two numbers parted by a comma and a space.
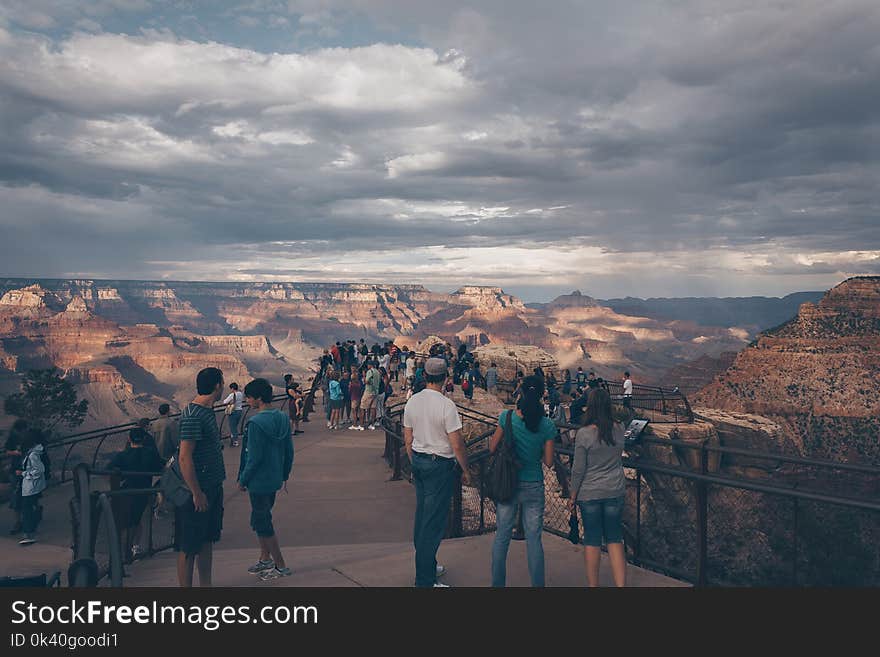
47, 464
502, 469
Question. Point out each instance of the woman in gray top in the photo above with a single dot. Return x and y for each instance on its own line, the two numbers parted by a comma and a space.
598, 486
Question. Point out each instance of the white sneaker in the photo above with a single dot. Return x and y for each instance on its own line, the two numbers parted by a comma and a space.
441, 585
372, 427
360, 428
328, 424
352, 428
275, 573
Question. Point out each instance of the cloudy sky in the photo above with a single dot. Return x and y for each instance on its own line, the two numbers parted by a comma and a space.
657, 148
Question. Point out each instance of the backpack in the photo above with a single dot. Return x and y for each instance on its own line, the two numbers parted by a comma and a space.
502, 467
47, 464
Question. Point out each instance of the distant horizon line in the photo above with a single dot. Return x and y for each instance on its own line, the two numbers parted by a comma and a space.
400, 285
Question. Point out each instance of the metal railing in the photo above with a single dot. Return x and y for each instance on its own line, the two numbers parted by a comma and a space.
100, 518
790, 521
657, 404
88, 446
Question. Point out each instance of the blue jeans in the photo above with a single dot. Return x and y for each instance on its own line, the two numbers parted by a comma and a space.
433, 477
529, 495
234, 422
602, 517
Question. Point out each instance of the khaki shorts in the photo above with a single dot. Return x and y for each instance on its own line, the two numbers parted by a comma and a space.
367, 400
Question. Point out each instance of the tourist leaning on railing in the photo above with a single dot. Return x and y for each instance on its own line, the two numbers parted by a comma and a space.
598, 486
533, 436
138, 456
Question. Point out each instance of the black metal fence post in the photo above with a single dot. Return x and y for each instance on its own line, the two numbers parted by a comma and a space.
519, 534
395, 457
482, 497
702, 519
455, 528
638, 547
794, 547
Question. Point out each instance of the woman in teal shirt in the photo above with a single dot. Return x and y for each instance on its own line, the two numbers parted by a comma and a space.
533, 436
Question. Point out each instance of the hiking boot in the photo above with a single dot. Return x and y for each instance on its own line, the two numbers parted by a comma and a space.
261, 566
275, 573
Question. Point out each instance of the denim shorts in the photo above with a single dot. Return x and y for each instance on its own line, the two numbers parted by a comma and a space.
261, 514
602, 517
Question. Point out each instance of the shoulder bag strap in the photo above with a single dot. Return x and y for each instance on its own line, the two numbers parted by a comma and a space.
508, 429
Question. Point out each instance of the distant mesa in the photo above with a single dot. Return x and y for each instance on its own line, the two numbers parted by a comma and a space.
573, 300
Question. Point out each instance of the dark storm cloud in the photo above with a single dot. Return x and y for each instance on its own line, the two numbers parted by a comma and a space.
727, 139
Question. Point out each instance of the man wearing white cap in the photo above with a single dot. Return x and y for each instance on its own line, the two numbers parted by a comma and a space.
432, 433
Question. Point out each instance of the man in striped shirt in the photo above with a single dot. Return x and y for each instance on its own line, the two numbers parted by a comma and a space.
200, 521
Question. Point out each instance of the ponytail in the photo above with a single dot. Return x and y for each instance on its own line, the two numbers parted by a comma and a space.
531, 402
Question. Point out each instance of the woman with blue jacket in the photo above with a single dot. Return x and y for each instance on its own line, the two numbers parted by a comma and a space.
266, 462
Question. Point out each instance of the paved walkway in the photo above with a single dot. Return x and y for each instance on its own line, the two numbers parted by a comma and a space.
341, 524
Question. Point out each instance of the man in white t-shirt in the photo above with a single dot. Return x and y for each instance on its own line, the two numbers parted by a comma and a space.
234, 401
432, 433
627, 393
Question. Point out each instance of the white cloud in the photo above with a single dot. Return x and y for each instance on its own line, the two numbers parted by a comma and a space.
415, 163
110, 72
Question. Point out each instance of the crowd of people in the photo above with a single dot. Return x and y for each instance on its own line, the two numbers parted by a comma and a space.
358, 382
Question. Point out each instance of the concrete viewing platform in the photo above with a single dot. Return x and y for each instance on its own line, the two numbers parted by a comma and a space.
342, 523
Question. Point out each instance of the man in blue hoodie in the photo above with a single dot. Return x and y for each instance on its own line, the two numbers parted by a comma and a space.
266, 461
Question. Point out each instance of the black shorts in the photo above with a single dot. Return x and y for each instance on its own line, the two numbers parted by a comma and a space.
195, 528
261, 514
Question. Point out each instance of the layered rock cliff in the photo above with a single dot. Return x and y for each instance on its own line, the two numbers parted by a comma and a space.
817, 374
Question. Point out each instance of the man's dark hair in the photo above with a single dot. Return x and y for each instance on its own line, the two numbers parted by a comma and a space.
144, 422
208, 380
233, 386
287, 378
137, 436
259, 389
164, 409
435, 378
626, 373
32, 437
